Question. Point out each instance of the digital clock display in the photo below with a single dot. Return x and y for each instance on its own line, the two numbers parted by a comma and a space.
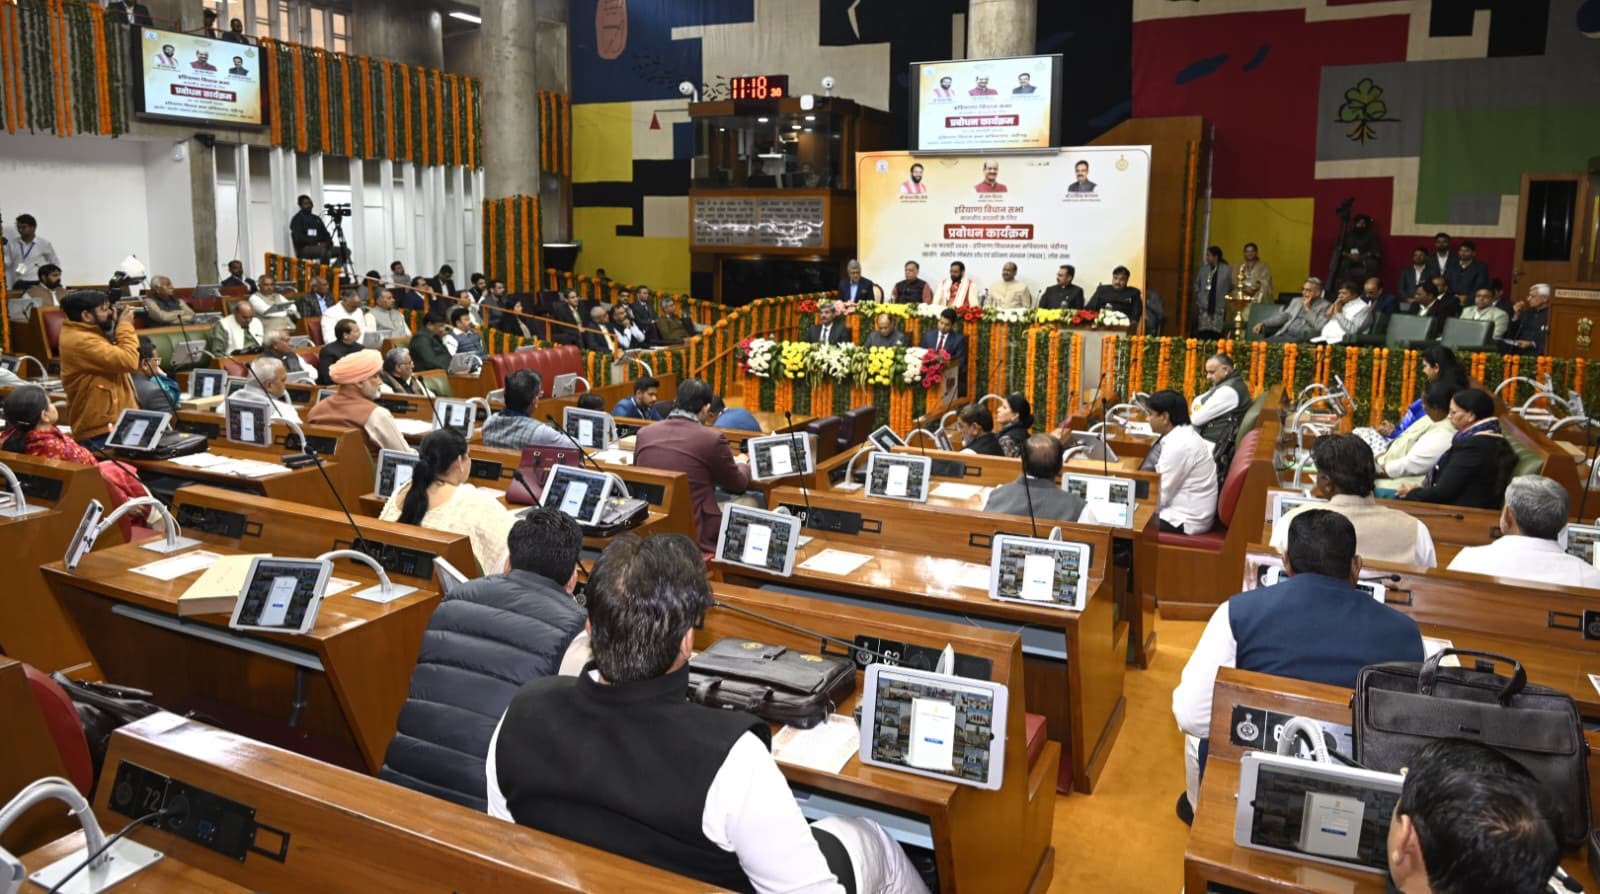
759, 87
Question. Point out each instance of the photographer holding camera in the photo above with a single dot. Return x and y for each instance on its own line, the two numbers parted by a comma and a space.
311, 239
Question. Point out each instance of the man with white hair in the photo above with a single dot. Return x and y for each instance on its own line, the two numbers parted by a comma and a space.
348, 308
1298, 320
1530, 321
267, 381
1534, 514
1010, 292
854, 286
163, 306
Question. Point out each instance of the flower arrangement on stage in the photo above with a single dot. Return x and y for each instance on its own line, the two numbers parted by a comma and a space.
834, 362
1109, 317
881, 364
932, 366
755, 356
792, 357
1010, 315
807, 306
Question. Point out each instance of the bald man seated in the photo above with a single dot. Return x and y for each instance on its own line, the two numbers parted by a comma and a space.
1036, 492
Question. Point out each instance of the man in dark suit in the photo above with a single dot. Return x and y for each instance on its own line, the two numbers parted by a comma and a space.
568, 321
316, 300
132, 13
828, 330
683, 443
854, 286
1037, 492
1119, 296
1419, 270
1427, 302
950, 341
1063, 295
1466, 275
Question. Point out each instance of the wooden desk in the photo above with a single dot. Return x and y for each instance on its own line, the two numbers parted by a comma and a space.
1134, 583
982, 840
343, 451
667, 389
1213, 859
341, 831
333, 692
303, 485
32, 626
1075, 661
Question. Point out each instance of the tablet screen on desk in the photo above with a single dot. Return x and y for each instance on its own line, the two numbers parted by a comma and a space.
1096, 446
457, 414
10, 364
779, 456
1112, 498
1579, 540
1324, 812
138, 430
758, 538
577, 492
938, 725
394, 471
886, 439
1036, 571
899, 476
207, 383
249, 420
592, 429
1283, 502
281, 595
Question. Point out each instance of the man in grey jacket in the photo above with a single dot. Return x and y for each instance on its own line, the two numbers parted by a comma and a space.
488, 637
1300, 320
1041, 463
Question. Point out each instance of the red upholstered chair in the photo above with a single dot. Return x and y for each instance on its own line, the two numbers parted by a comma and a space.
53, 319
1198, 571
61, 718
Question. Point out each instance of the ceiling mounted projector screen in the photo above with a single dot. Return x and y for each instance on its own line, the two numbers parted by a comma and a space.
188, 78
968, 105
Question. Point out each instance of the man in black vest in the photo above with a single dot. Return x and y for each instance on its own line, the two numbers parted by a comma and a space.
1216, 412
619, 759
913, 289
487, 637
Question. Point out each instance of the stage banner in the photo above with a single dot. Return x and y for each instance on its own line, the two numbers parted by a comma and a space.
1081, 206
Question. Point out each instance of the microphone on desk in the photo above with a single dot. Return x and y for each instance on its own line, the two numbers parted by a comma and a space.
789, 417
1372, 579
307, 451
1027, 490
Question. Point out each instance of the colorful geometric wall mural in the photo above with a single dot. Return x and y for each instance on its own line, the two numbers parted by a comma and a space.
1427, 112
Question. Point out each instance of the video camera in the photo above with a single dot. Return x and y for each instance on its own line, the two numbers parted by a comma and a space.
337, 211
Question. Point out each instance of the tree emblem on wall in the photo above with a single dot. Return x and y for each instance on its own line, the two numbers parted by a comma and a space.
1364, 107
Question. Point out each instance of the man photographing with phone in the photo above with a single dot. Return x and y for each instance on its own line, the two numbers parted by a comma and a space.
99, 354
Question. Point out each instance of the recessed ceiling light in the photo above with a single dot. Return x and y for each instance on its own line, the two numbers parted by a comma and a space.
762, 120
467, 17
794, 127
811, 117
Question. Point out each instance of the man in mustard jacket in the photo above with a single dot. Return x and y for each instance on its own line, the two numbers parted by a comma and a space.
99, 352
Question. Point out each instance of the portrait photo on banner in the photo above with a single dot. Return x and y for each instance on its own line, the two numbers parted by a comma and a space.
1080, 206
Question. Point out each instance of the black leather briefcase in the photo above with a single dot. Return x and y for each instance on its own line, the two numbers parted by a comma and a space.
1402, 706
774, 683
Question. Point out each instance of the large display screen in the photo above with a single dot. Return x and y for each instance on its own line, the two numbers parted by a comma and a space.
185, 77
985, 104
1081, 206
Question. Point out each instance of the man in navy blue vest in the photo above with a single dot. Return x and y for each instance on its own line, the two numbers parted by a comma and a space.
1314, 626
487, 637
617, 758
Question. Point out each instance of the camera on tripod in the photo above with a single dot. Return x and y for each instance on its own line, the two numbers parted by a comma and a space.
337, 211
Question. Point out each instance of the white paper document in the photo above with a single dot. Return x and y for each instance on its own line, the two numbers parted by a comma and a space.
247, 427
836, 562
756, 540
337, 585
1594, 680
174, 567
826, 747
613, 455
413, 426
933, 734
953, 491
200, 460
973, 576
1038, 576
